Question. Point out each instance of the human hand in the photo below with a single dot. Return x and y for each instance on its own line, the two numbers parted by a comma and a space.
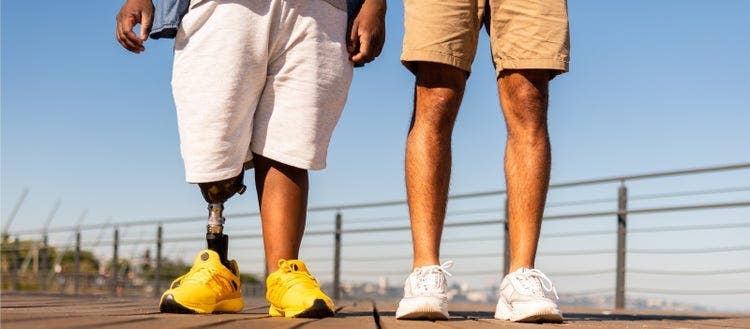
134, 12
367, 34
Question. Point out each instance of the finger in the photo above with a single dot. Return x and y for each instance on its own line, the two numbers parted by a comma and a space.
120, 37
130, 37
347, 38
351, 44
117, 33
127, 42
379, 42
365, 50
146, 21
130, 43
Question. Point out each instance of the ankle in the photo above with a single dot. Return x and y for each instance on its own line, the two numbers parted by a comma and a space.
420, 263
514, 267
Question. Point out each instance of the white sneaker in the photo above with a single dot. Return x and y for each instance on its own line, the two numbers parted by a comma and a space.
425, 296
526, 296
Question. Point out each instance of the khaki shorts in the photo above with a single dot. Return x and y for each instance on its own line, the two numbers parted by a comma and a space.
524, 34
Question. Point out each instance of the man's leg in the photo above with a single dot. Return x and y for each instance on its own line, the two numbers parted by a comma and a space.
301, 103
523, 94
282, 197
526, 294
438, 93
437, 97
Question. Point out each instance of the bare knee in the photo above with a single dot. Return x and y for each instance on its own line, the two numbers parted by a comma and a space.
524, 95
265, 164
277, 177
438, 94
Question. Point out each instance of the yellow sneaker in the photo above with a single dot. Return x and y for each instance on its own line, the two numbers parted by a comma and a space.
209, 287
294, 293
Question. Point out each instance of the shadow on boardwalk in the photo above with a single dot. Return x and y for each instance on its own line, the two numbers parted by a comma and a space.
56, 311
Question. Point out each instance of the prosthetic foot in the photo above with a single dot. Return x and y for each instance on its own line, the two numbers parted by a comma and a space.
220, 292
216, 193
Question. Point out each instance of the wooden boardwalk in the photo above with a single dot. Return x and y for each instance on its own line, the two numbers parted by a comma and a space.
56, 311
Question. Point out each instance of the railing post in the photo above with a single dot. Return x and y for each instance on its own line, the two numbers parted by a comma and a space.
44, 263
622, 221
115, 269
506, 240
15, 255
337, 258
157, 268
77, 264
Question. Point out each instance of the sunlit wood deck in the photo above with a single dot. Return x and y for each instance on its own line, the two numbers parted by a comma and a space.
56, 311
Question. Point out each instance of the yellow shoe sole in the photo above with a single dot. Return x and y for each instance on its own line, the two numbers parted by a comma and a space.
318, 310
169, 305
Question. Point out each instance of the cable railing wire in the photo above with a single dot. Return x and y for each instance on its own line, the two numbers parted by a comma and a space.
486, 238
690, 292
689, 251
577, 252
476, 273
402, 202
567, 203
589, 292
690, 273
687, 228
689, 193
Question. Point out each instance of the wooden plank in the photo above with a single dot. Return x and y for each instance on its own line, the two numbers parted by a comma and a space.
462, 315
73, 322
355, 314
349, 315
75, 312
263, 322
387, 313
54, 311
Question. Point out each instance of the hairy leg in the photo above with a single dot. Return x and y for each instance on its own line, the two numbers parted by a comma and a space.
524, 95
438, 93
282, 197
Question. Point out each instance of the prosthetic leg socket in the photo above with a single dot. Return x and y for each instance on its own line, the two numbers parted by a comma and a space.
216, 193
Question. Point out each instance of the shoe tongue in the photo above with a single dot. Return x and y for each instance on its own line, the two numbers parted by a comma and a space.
207, 256
428, 278
532, 282
296, 265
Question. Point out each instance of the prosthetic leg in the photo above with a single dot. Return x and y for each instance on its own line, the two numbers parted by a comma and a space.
216, 193
221, 292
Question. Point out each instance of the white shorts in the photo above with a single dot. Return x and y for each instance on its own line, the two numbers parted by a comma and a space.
265, 77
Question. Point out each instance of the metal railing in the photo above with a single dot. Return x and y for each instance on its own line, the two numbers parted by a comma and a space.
115, 276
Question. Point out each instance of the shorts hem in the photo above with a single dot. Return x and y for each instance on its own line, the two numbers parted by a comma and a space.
195, 178
291, 160
560, 66
408, 57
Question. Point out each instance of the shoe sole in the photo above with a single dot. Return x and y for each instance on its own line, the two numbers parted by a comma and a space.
318, 310
539, 318
422, 311
548, 315
169, 305
424, 315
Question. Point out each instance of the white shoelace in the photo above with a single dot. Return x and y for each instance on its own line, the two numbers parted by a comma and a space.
526, 277
432, 278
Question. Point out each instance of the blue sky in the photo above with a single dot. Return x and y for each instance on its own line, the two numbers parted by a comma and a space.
654, 85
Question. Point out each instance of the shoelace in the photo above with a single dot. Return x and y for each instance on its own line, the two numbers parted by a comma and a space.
288, 267
206, 274
424, 273
537, 275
